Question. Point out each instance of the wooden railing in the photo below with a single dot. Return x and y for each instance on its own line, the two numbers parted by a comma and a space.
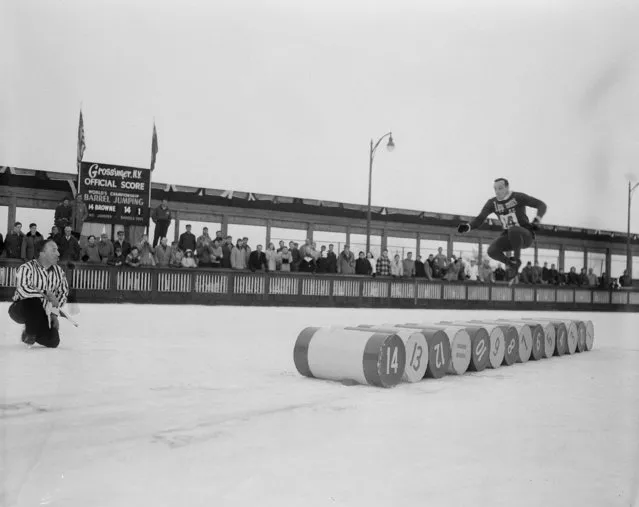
97, 283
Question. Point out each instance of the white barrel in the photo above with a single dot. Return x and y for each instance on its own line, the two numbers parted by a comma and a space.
572, 333
416, 349
460, 344
590, 334
524, 335
371, 357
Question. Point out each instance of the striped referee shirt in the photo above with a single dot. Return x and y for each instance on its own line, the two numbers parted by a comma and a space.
33, 281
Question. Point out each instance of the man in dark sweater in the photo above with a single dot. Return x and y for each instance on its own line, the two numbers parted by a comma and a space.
519, 232
257, 260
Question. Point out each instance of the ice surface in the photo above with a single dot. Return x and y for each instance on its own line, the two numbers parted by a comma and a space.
202, 406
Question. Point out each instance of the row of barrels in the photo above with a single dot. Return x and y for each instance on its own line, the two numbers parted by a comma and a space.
385, 355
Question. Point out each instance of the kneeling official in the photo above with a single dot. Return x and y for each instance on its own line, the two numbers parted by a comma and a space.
41, 289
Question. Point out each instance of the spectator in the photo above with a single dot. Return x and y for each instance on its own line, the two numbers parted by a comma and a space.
322, 261
13, 243
176, 256
218, 236
188, 261
592, 278
545, 274
625, 280
91, 253
408, 266
362, 266
286, 259
583, 278
163, 253
307, 264
561, 277
372, 262
105, 248
305, 250
188, 241
440, 264
247, 251
485, 272
453, 269
238, 259
133, 259
500, 273
227, 248
161, 217
383, 267
79, 214
30, 243
63, 215
604, 281
124, 245
257, 260
55, 235
282, 246
473, 271
146, 252
537, 273
202, 247
216, 254
118, 258
271, 257
526, 273
346, 262
69, 246
397, 267
553, 275
331, 260
295, 253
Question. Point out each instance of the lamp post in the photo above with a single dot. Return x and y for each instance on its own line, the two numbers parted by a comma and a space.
632, 186
390, 146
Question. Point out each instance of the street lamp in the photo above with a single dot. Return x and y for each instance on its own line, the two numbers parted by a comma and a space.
632, 186
390, 146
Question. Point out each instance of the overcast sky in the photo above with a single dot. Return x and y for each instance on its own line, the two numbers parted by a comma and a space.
283, 97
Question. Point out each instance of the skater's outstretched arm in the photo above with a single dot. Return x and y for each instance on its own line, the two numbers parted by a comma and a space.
479, 219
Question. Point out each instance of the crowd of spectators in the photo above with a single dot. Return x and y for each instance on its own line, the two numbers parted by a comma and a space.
221, 251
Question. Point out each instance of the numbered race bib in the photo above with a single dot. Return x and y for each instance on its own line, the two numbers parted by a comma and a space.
509, 220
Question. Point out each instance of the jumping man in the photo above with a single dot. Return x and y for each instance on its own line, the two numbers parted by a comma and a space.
510, 208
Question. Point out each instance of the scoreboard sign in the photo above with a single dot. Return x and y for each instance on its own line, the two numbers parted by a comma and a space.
115, 194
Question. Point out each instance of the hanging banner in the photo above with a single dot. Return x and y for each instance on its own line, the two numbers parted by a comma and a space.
115, 194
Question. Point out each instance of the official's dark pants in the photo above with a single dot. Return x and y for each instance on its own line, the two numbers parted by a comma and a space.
161, 228
30, 313
514, 239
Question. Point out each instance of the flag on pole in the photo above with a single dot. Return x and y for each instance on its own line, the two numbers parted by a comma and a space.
81, 143
154, 147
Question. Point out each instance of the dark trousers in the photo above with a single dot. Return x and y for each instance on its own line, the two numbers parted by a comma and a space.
514, 239
30, 313
161, 228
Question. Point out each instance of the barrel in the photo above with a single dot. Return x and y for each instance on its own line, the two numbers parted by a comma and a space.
372, 358
524, 338
439, 352
571, 334
416, 349
459, 344
510, 340
538, 337
479, 345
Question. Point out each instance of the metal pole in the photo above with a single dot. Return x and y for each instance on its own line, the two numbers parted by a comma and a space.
628, 251
368, 213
